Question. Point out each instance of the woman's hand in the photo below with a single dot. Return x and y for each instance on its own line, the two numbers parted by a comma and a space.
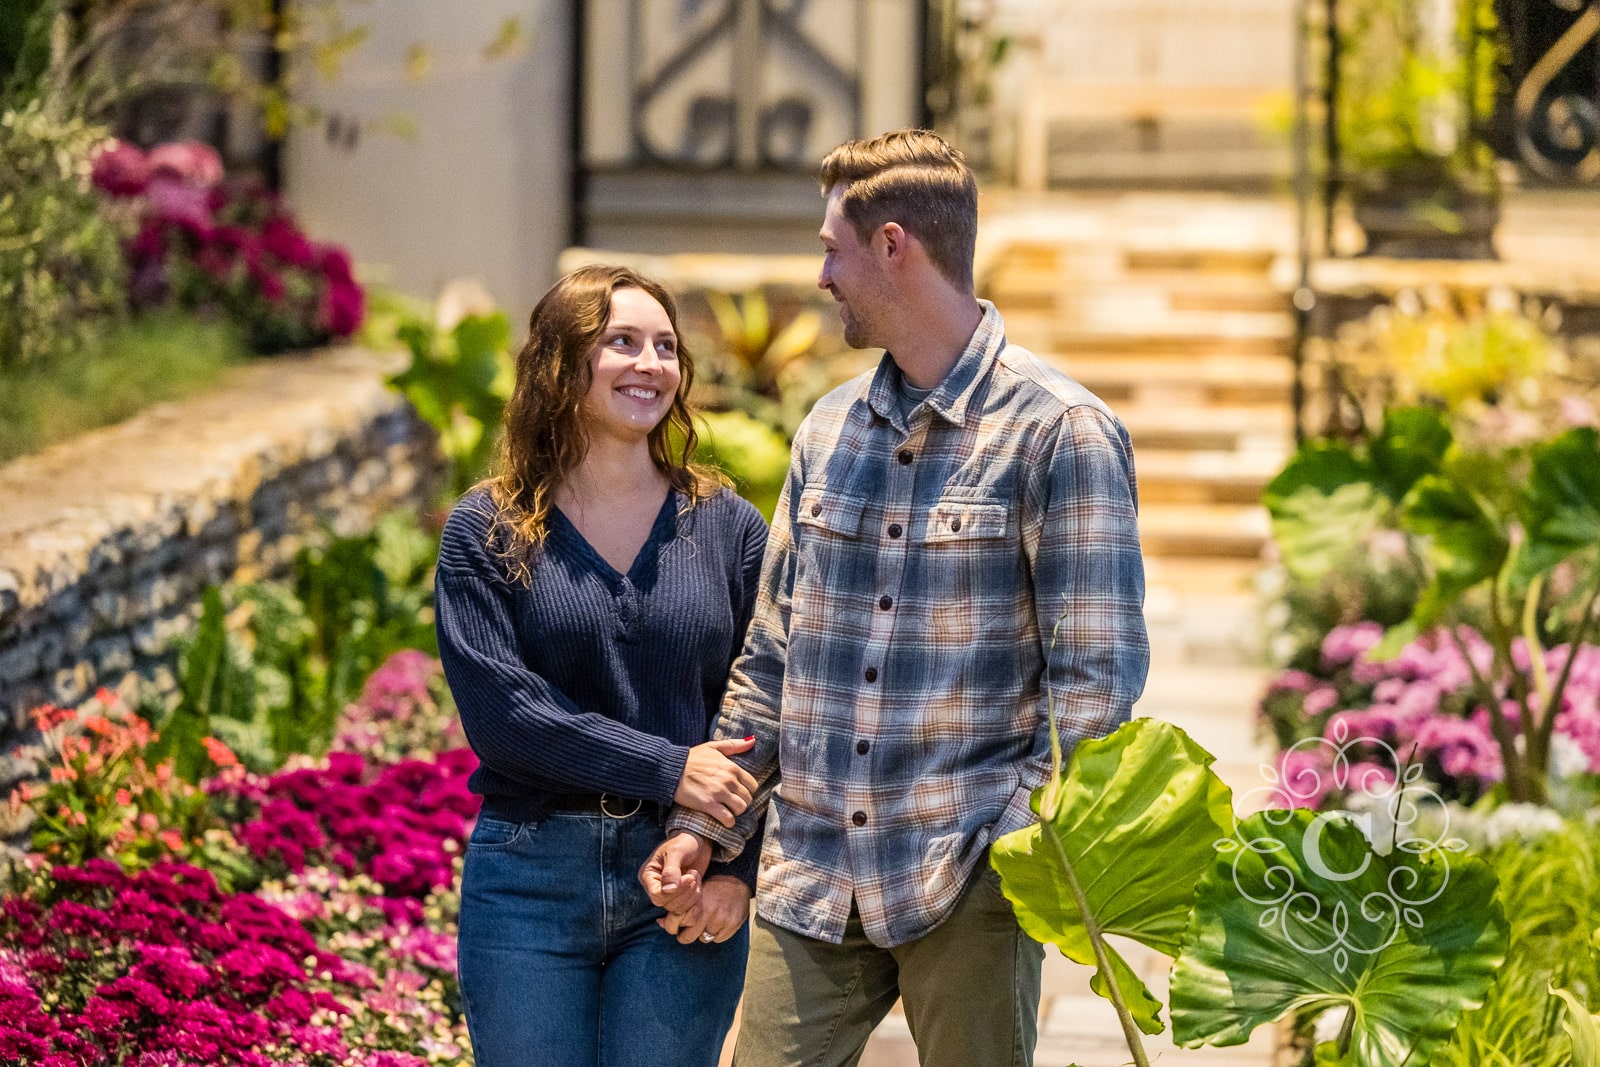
723, 907
713, 783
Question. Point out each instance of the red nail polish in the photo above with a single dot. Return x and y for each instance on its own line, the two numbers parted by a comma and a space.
752, 737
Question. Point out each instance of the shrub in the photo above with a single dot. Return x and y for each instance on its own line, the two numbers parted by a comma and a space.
61, 265
226, 249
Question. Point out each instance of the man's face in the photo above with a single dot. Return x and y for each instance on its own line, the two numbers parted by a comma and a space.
852, 272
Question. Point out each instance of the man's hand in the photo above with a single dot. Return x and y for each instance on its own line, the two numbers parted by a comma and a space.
675, 871
723, 908
713, 783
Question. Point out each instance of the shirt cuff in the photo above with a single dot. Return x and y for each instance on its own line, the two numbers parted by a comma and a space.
726, 842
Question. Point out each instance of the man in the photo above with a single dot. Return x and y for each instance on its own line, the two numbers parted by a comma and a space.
942, 515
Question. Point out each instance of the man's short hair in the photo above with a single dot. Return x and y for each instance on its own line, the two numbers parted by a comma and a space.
914, 178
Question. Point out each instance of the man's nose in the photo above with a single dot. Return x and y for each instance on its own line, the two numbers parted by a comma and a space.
824, 281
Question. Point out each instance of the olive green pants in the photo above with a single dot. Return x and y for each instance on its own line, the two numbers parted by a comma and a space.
970, 986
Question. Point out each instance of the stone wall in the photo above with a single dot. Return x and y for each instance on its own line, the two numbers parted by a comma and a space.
106, 541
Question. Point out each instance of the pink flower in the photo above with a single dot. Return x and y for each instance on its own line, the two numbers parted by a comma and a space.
189, 162
342, 308
1344, 644
120, 169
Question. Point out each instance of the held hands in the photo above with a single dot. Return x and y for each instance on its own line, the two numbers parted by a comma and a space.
723, 907
673, 874
713, 783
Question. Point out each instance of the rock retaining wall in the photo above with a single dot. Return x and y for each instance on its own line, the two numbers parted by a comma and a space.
106, 541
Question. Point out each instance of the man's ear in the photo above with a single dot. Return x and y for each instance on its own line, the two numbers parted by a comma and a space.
896, 242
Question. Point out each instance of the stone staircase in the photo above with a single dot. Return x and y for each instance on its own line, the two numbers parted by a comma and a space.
1176, 324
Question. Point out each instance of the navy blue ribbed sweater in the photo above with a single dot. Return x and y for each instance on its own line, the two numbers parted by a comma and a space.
586, 680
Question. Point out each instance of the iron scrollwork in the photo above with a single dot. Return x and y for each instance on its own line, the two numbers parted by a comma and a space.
741, 124
1557, 127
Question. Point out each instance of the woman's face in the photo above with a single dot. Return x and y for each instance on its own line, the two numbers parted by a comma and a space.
634, 366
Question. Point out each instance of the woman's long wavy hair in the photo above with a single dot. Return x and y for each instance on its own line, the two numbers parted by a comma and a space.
546, 431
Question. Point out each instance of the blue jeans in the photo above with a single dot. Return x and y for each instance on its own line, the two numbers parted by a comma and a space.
562, 963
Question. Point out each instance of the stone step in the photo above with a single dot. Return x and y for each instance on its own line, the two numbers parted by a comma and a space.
1127, 324
1179, 477
1210, 530
1214, 427
1046, 291
1195, 382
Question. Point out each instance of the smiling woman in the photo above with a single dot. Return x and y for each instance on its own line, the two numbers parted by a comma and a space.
591, 598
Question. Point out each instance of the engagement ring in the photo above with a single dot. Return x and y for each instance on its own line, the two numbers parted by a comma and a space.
707, 938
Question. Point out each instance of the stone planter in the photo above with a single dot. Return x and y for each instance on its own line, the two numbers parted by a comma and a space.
1427, 219
107, 540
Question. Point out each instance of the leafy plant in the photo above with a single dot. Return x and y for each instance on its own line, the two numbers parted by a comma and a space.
1417, 90
61, 265
1495, 524
272, 666
459, 381
766, 345
752, 453
1137, 837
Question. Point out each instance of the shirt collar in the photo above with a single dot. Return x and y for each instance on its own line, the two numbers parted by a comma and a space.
952, 395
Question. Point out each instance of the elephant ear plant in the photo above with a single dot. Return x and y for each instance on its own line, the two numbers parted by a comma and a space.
1489, 523
1282, 911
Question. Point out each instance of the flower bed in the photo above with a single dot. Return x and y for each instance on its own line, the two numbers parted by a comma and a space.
301, 917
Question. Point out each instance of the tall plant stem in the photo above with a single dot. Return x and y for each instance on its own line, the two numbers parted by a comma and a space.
1530, 634
1553, 703
1517, 781
1130, 1031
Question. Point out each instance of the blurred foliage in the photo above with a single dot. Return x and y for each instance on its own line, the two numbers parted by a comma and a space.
1417, 87
105, 60
750, 452
459, 380
272, 665
61, 261
123, 368
1550, 889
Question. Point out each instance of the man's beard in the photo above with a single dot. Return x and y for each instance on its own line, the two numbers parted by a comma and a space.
855, 331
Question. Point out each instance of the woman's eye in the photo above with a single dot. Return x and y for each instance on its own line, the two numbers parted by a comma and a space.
622, 340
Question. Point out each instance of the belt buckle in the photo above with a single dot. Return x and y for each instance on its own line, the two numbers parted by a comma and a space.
605, 806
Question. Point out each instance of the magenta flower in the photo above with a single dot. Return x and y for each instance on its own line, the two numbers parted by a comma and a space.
188, 162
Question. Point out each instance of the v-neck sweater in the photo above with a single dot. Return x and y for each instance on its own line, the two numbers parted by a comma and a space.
589, 680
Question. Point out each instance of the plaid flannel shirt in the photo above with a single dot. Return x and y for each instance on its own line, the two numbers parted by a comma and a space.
894, 673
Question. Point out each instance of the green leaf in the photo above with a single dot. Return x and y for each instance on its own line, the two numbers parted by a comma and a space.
1412, 444
1301, 914
1583, 1028
1139, 813
1466, 544
1563, 502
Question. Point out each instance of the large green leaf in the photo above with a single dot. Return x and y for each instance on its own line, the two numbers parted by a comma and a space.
1323, 504
1466, 544
1563, 500
1299, 912
1412, 443
1137, 817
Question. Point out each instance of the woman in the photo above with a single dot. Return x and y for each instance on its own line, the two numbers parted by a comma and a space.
591, 599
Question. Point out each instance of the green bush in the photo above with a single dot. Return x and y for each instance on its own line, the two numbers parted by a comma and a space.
61, 261
752, 453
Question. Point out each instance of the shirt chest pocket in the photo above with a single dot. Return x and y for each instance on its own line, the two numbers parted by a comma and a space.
956, 521
831, 514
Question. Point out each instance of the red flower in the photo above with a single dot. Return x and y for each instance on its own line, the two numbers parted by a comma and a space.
280, 237
120, 169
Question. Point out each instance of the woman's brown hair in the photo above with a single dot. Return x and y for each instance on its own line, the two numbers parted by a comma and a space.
545, 432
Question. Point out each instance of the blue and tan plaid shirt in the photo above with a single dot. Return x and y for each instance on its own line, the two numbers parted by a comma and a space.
894, 674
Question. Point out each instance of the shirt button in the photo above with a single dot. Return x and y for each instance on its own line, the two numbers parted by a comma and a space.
894, 529
816, 509
955, 524
886, 602
859, 818
862, 747
905, 456
871, 674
